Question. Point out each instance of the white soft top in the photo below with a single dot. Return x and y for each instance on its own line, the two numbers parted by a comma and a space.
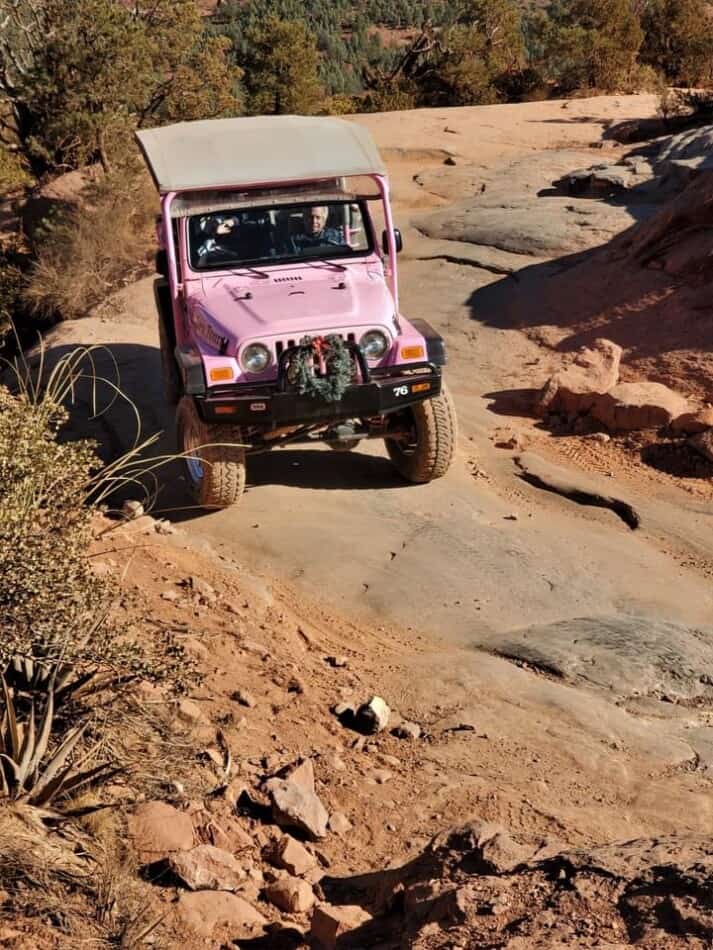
217, 153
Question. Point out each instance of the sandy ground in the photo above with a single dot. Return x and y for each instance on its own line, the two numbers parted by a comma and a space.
426, 585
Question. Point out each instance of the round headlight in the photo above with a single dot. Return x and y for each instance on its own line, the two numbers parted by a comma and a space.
374, 344
255, 358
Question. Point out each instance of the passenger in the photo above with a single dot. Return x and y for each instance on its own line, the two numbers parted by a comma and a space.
316, 233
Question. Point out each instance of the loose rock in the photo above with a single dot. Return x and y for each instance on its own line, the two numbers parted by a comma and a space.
592, 372
132, 509
330, 923
245, 698
291, 894
295, 803
339, 662
293, 856
206, 912
339, 823
206, 868
157, 830
373, 716
691, 423
407, 730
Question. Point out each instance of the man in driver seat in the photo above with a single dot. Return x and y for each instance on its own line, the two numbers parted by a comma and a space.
316, 233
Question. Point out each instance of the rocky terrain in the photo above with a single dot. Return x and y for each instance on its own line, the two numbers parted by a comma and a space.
538, 623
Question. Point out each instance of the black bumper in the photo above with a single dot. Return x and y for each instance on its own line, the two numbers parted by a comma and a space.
271, 407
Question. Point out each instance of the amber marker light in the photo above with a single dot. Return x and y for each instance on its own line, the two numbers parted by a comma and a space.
420, 387
412, 352
225, 410
220, 374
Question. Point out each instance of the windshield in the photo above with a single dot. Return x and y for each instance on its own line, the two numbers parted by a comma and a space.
274, 235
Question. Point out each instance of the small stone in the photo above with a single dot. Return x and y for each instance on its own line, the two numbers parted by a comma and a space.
373, 716
163, 526
190, 712
293, 856
292, 894
245, 698
157, 829
450, 161
207, 868
382, 776
203, 590
250, 646
407, 730
132, 509
703, 444
170, 595
206, 912
339, 823
390, 826
512, 517
343, 709
329, 923
601, 437
339, 662
295, 803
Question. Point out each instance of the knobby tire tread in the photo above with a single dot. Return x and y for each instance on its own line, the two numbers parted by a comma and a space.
224, 469
437, 431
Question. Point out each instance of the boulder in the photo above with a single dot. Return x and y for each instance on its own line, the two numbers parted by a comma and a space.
206, 912
291, 894
329, 923
691, 423
295, 803
157, 830
207, 868
703, 444
631, 406
293, 856
593, 371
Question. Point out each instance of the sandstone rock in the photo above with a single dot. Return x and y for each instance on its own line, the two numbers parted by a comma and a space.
373, 716
382, 776
703, 444
293, 856
245, 698
157, 830
295, 803
190, 712
338, 662
574, 389
206, 868
203, 590
339, 823
631, 406
691, 423
407, 730
206, 912
330, 923
291, 894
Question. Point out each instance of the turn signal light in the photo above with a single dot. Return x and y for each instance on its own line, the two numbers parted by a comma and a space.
220, 374
225, 410
412, 352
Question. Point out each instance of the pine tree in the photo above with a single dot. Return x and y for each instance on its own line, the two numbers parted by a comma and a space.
678, 39
281, 65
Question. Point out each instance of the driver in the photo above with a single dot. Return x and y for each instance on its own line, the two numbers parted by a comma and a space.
316, 232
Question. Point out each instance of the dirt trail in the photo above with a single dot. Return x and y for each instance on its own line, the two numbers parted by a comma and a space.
451, 570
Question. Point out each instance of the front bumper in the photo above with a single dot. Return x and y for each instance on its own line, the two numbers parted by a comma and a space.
273, 406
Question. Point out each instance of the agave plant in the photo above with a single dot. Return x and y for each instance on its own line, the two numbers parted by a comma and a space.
29, 771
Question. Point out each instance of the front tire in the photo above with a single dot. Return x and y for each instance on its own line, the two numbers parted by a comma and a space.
216, 472
428, 451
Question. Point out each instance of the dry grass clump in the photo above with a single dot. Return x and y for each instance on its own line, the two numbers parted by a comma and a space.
87, 252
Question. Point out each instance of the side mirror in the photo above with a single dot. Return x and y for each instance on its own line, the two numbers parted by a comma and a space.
398, 240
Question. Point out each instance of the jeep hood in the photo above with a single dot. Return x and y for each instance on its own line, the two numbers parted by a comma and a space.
290, 303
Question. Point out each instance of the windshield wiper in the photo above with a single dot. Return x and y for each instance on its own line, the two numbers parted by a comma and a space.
324, 260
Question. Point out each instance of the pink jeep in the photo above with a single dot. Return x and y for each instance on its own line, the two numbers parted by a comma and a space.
278, 307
